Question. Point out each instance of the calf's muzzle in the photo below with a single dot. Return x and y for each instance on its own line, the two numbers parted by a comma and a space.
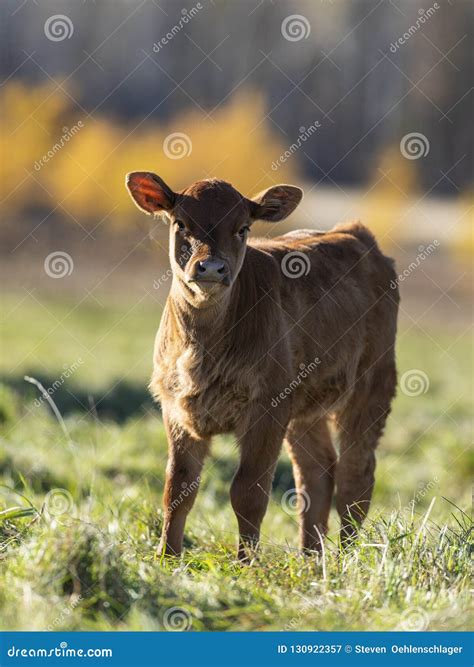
211, 270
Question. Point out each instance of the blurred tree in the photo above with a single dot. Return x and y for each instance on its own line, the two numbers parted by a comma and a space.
77, 166
342, 72
394, 182
463, 234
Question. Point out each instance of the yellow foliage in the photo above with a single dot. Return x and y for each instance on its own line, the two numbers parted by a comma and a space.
27, 118
394, 181
84, 177
463, 235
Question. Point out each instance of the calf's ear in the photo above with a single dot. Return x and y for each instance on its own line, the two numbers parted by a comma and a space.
276, 203
149, 192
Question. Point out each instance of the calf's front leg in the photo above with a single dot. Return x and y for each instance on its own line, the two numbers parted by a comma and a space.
260, 445
183, 473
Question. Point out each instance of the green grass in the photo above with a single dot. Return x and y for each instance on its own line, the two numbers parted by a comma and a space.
79, 550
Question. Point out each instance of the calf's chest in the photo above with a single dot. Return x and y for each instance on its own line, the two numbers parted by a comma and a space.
204, 393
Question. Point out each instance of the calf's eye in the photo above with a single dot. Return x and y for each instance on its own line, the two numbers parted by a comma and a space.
180, 225
243, 231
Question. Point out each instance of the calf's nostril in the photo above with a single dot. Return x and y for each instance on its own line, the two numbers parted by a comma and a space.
211, 270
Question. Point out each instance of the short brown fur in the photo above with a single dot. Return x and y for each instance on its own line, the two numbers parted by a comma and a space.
269, 356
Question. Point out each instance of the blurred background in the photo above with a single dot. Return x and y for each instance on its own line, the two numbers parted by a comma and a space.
367, 105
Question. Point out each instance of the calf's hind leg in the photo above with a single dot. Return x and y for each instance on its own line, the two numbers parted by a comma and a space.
361, 425
314, 464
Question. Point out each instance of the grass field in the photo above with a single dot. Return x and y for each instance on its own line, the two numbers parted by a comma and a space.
80, 521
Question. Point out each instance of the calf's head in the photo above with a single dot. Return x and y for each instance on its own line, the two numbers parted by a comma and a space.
209, 223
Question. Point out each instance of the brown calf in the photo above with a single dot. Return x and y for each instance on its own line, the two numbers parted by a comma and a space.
270, 339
